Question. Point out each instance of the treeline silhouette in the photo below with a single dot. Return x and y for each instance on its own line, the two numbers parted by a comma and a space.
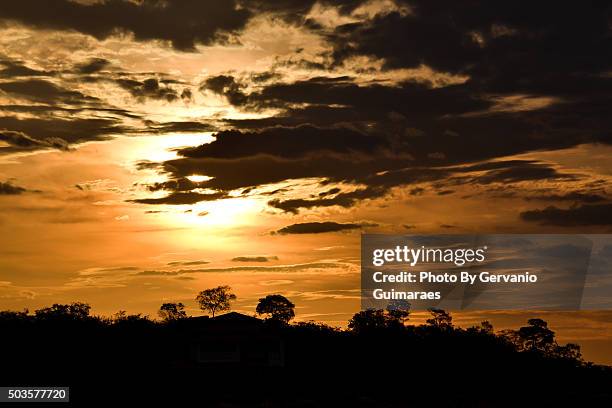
379, 360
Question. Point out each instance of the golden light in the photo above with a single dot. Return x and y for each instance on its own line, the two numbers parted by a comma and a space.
221, 214
162, 148
196, 178
228, 212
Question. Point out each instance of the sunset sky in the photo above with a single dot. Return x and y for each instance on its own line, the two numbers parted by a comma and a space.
151, 149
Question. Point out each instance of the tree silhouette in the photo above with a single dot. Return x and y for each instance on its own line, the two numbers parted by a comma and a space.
484, 327
14, 314
124, 320
172, 311
535, 337
139, 346
216, 299
368, 320
120, 315
393, 318
399, 310
276, 307
73, 311
440, 319
570, 351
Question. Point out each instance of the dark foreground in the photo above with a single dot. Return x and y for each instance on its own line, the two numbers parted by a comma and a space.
242, 361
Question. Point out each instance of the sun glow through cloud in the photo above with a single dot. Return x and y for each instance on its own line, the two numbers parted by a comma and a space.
198, 178
315, 112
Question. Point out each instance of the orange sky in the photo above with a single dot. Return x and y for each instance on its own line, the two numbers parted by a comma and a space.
84, 137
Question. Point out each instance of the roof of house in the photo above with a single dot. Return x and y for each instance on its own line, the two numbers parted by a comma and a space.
231, 320
235, 317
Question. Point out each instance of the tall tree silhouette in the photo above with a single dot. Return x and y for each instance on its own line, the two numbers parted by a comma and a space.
368, 320
216, 299
536, 337
440, 319
172, 311
376, 319
276, 307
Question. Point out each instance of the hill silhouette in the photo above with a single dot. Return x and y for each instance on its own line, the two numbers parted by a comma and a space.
239, 360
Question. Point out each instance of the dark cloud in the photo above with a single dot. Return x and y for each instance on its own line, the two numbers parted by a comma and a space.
18, 69
380, 136
48, 110
265, 76
44, 132
523, 171
577, 196
296, 8
149, 88
249, 268
583, 215
55, 116
177, 127
329, 192
373, 161
22, 141
498, 50
7, 188
187, 263
47, 126
181, 198
45, 91
460, 119
181, 184
159, 273
93, 65
254, 258
375, 136
243, 160
485, 39
183, 23
226, 85
321, 227
118, 269
240, 173
286, 142
374, 100
187, 95
343, 200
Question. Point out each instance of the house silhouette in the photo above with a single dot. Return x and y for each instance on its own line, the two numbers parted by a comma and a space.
234, 339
